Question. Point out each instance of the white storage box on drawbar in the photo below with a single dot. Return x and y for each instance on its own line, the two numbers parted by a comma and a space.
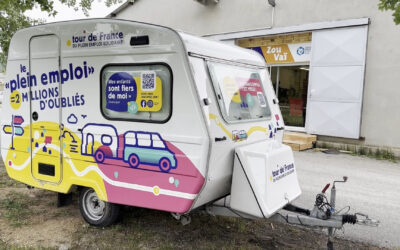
264, 179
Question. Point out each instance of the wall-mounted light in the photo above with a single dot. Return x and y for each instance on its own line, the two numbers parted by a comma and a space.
206, 2
272, 3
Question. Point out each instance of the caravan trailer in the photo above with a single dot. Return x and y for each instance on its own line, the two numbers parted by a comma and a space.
142, 115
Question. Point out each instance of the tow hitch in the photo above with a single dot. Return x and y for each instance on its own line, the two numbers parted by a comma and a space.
324, 214
264, 180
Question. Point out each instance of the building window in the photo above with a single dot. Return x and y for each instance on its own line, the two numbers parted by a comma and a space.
136, 92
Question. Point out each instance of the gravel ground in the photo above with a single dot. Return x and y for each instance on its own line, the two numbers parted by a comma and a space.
31, 220
373, 188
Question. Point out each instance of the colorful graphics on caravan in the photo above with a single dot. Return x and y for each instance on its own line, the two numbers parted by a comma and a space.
141, 115
138, 147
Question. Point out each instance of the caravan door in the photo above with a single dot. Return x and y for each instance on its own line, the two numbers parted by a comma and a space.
45, 108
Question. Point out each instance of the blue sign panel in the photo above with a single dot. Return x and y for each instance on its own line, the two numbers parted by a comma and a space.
121, 91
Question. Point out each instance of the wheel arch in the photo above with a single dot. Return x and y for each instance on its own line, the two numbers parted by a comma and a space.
101, 192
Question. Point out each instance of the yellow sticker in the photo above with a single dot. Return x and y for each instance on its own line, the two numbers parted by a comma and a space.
149, 100
15, 99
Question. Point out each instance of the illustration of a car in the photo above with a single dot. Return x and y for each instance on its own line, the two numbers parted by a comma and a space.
148, 148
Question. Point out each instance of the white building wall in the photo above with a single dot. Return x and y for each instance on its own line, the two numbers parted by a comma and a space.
197, 19
381, 102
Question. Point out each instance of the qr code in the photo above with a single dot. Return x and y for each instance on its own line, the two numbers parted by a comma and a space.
261, 99
148, 81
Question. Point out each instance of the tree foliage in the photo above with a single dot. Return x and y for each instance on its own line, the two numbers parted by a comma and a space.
85, 5
13, 18
391, 5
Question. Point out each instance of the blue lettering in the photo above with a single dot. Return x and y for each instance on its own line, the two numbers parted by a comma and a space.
64, 75
78, 72
43, 78
24, 97
54, 76
42, 105
13, 85
50, 103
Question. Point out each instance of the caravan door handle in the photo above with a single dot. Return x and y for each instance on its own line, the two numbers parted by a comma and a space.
217, 139
280, 128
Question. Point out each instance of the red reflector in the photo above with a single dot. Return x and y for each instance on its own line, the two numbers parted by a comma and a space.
277, 117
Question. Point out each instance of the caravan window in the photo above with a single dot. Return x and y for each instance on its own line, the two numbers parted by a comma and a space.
239, 91
136, 92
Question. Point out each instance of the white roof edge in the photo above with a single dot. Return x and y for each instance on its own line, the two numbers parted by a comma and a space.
120, 8
214, 49
289, 29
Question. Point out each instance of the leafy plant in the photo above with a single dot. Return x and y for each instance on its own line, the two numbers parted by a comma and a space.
393, 5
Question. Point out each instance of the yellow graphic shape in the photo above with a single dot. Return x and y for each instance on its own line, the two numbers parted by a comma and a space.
8, 129
156, 190
219, 124
152, 99
249, 132
231, 89
74, 168
69, 43
15, 99
256, 128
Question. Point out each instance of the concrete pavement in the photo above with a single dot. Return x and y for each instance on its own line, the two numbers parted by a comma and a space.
373, 188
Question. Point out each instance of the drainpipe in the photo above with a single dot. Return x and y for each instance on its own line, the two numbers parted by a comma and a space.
273, 4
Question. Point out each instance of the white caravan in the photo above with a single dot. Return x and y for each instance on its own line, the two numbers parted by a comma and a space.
142, 115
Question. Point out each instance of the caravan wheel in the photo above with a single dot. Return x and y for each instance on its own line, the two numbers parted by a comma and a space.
95, 211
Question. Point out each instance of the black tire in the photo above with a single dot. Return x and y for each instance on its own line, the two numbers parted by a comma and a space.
95, 211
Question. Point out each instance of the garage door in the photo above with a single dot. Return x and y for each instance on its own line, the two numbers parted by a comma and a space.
336, 82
